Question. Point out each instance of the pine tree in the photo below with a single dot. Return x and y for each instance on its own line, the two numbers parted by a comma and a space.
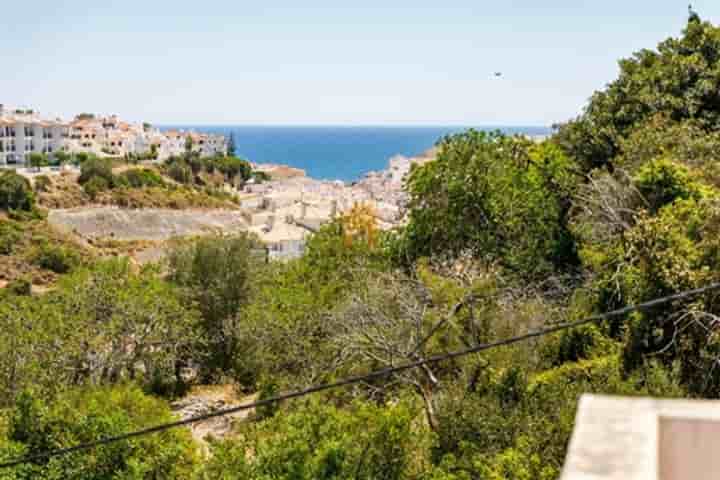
231, 145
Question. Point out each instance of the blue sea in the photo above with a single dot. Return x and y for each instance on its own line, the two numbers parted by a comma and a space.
343, 153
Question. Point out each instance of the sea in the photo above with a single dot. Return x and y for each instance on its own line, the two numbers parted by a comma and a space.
338, 152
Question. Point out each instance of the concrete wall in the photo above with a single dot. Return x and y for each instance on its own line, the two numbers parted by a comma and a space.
689, 449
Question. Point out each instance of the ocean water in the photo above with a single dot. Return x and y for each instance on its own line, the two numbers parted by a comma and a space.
343, 153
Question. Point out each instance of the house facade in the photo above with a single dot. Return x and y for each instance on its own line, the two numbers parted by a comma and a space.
23, 132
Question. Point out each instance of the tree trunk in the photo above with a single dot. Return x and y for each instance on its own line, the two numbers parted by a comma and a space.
427, 397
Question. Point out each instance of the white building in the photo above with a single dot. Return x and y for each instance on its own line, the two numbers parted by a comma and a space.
23, 132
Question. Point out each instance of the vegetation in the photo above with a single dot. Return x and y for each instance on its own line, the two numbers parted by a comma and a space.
37, 160
15, 192
42, 183
31, 250
503, 235
81, 415
191, 169
503, 199
214, 273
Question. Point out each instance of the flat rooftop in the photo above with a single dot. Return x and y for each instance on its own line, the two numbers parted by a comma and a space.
644, 439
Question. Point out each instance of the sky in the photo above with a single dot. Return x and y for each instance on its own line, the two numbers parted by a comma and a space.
322, 62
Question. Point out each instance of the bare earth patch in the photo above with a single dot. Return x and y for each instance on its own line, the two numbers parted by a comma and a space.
145, 224
207, 399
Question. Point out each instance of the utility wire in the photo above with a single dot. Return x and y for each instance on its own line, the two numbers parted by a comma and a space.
363, 378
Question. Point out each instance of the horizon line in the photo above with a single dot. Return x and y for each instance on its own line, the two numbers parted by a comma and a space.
351, 125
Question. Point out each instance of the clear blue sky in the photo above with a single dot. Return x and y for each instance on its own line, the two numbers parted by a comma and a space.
325, 62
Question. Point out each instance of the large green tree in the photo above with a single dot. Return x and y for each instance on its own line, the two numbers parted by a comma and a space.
214, 274
500, 199
679, 80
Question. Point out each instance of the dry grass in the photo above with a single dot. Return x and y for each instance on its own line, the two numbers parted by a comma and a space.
65, 192
19, 262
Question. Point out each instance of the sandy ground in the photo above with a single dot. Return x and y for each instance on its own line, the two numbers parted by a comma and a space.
144, 224
206, 399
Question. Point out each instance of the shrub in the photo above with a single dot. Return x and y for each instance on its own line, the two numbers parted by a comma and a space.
21, 286
180, 171
37, 160
15, 192
9, 237
42, 183
82, 157
662, 182
140, 177
96, 167
94, 186
38, 424
214, 273
501, 199
56, 258
320, 441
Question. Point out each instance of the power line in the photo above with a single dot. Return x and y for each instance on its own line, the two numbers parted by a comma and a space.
363, 378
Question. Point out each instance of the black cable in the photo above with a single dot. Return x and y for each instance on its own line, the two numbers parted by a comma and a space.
362, 378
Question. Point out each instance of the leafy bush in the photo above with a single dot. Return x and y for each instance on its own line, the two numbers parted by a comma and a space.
96, 168
214, 272
9, 237
662, 182
15, 192
58, 259
501, 199
38, 424
140, 177
42, 183
105, 324
686, 65
21, 286
180, 171
228, 168
95, 186
319, 442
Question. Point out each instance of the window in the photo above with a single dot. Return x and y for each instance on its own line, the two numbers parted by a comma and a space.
28, 131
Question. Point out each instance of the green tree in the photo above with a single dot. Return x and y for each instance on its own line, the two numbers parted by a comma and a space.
215, 272
499, 198
231, 145
678, 80
15, 192
96, 167
62, 157
102, 324
37, 160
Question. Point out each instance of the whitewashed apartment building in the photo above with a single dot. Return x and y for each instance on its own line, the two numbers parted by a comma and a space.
23, 132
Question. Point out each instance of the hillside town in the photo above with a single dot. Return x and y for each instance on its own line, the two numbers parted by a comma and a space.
282, 212
24, 132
